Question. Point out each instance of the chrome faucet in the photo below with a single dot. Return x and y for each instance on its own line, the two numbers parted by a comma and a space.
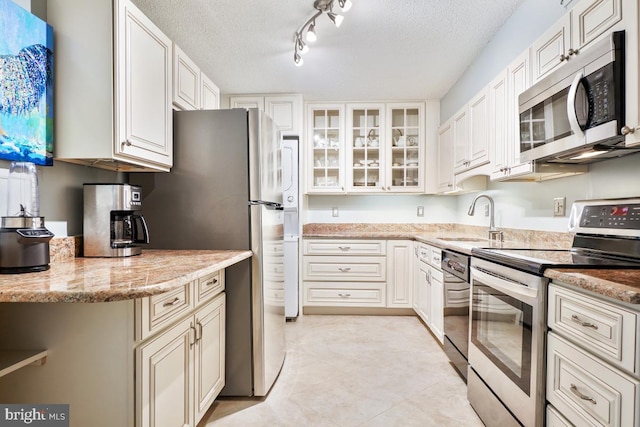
494, 233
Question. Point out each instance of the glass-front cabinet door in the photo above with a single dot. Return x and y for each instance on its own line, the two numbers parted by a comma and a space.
365, 148
404, 152
326, 149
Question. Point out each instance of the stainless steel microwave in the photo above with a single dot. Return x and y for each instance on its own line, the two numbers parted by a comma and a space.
575, 115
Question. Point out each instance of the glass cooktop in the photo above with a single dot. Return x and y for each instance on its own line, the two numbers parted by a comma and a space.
538, 260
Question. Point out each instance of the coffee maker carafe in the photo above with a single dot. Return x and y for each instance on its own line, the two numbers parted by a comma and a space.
111, 227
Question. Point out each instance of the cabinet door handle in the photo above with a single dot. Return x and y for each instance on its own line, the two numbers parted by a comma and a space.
344, 248
574, 390
579, 321
344, 295
170, 303
126, 143
198, 331
344, 269
192, 335
211, 282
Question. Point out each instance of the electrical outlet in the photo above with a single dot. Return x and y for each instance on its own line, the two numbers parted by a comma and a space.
334, 211
486, 210
420, 211
559, 204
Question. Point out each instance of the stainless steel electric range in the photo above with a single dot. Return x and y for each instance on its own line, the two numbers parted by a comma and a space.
508, 305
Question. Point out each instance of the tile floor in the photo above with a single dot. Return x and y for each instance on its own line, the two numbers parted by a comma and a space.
343, 371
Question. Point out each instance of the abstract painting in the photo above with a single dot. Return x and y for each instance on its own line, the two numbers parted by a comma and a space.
26, 86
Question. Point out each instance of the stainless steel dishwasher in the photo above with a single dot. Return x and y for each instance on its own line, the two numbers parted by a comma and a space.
455, 267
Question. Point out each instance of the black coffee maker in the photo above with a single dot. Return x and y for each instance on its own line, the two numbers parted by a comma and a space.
111, 227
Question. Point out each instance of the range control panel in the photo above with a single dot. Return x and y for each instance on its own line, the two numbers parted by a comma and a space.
615, 217
611, 216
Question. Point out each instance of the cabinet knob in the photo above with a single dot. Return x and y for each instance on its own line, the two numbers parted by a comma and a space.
626, 130
344, 295
564, 57
126, 143
573, 52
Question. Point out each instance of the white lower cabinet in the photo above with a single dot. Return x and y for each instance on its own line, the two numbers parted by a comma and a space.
357, 273
592, 355
181, 370
430, 288
400, 273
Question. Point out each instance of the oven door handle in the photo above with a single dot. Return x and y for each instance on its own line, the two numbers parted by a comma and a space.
512, 288
571, 106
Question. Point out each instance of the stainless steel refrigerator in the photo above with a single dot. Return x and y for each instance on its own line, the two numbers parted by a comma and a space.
224, 191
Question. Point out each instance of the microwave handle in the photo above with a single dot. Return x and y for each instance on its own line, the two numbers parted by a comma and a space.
139, 223
571, 106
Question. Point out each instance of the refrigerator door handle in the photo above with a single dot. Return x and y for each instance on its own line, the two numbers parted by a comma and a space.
269, 205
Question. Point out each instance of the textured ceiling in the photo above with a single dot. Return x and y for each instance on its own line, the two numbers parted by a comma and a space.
385, 49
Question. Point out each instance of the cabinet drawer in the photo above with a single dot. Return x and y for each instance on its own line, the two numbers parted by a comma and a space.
424, 253
344, 268
436, 257
605, 329
157, 311
344, 247
587, 391
209, 285
345, 294
554, 419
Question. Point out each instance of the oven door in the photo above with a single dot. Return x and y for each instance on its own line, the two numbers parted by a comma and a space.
507, 336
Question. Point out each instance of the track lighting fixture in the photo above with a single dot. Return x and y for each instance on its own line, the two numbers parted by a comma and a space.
309, 27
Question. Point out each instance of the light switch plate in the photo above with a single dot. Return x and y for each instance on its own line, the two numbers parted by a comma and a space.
334, 211
420, 211
559, 206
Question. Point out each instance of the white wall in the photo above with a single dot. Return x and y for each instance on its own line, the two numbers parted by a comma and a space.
530, 205
380, 209
528, 22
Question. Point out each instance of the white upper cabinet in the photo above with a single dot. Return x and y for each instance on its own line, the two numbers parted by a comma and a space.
284, 109
192, 89
498, 125
113, 87
366, 148
325, 148
377, 148
460, 124
286, 112
586, 22
186, 81
471, 134
445, 157
209, 94
405, 148
143, 89
505, 120
246, 101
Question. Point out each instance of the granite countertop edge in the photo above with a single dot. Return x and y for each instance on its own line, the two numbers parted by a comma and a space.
94, 280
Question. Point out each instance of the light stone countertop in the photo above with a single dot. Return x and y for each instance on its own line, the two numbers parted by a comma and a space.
115, 279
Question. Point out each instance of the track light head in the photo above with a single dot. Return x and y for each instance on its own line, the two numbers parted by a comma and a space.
335, 18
